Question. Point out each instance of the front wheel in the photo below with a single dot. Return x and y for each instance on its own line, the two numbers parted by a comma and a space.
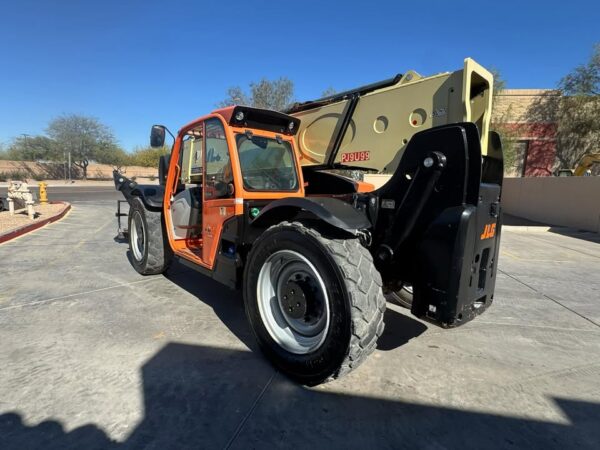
150, 251
314, 303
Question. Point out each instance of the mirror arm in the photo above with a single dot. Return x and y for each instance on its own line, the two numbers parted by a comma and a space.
169, 131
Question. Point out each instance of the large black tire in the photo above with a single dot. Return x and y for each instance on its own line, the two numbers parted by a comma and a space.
354, 294
149, 248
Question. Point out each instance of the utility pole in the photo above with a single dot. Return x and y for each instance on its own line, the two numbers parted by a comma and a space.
69, 166
26, 142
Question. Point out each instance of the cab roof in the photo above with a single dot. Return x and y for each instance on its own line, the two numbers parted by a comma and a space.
262, 119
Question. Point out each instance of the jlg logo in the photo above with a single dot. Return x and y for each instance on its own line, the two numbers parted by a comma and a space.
489, 231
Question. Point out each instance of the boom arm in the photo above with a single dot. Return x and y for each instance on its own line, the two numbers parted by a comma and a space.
372, 125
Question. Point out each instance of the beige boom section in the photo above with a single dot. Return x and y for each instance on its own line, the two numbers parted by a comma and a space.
385, 119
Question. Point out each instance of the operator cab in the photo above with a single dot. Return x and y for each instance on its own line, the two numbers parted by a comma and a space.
217, 162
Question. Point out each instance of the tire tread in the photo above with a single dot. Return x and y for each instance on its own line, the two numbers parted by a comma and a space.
364, 288
159, 252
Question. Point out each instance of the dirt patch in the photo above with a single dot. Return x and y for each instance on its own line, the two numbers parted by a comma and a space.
9, 223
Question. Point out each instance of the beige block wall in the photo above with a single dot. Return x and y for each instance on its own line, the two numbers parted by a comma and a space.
564, 201
94, 170
105, 170
515, 105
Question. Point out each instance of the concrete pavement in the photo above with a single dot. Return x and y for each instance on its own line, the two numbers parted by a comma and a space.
94, 355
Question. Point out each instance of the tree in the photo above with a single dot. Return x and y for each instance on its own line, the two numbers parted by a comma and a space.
328, 92
501, 123
579, 113
3, 152
268, 94
84, 137
33, 148
585, 78
236, 96
147, 156
113, 155
575, 108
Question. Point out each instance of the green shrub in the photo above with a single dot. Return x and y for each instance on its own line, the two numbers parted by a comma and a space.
14, 175
147, 156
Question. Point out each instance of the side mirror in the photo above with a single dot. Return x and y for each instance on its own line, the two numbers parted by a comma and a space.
163, 169
157, 136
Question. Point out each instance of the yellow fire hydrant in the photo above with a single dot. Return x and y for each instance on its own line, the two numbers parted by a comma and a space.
43, 193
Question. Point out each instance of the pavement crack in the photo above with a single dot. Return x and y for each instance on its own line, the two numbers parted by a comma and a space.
48, 300
258, 398
549, 298
582, 368
542, 327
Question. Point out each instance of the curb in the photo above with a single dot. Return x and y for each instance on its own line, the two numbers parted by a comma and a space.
34, 226
531, 229
543, 229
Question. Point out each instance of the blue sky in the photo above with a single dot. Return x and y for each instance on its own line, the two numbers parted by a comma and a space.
135, 63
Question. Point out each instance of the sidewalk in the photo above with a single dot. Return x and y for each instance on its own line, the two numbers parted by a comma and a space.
12, 226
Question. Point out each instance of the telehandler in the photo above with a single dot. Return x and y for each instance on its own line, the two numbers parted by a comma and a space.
584, 168
269, 203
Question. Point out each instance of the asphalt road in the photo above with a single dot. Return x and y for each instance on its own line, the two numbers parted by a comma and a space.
94, 355
77, 193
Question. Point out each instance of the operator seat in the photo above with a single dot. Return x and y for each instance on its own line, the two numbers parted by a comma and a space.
186, 213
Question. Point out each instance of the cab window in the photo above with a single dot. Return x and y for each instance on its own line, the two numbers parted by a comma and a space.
217, 164
190, 157
267, 164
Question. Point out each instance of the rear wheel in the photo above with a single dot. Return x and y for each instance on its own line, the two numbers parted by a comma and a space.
402, 297
314, 303
150, 251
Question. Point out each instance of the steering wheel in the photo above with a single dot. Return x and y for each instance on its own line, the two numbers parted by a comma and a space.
266, 174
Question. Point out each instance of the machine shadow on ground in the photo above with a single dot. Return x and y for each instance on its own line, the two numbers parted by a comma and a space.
583, 235
228, 305
508, 220
207, 397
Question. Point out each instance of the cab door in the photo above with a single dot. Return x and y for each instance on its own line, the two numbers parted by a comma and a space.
218, 191
185, 200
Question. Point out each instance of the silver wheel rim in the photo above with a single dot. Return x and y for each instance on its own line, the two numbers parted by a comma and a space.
138, 236
293, 302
